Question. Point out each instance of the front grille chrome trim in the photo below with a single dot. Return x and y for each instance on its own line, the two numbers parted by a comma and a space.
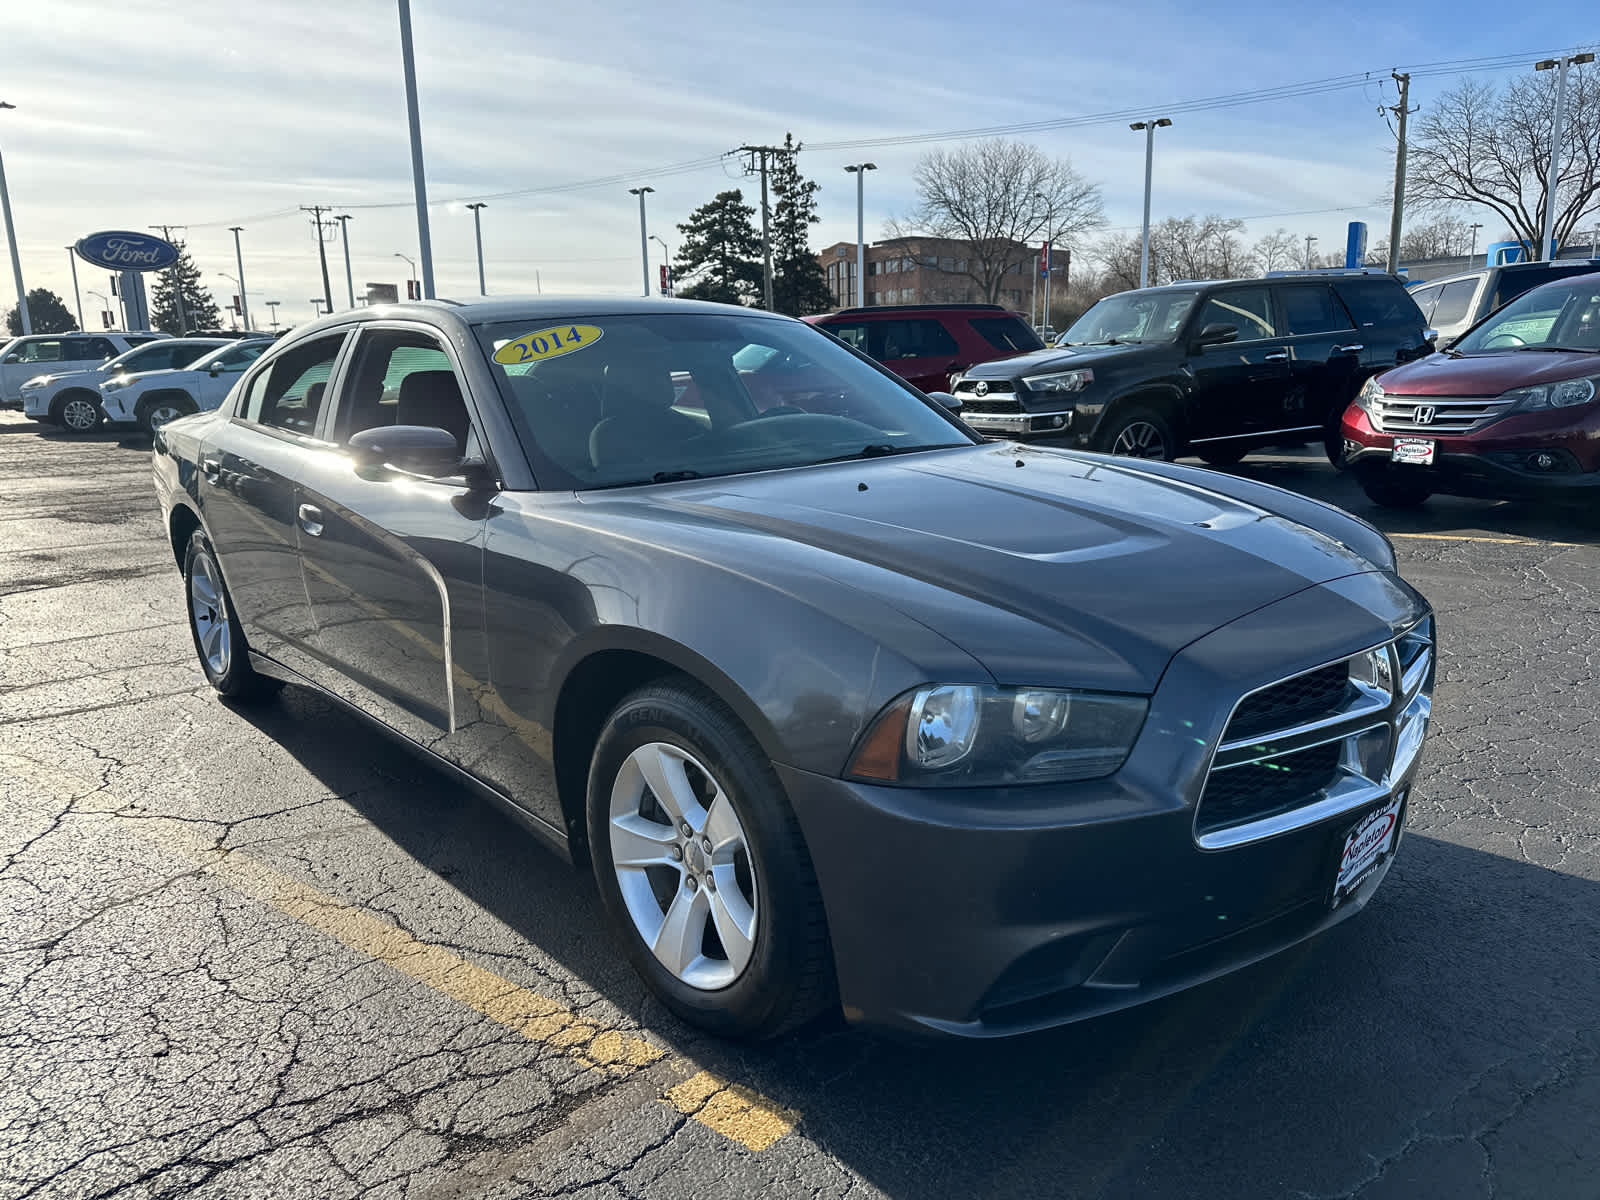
1450, 414
1369, 701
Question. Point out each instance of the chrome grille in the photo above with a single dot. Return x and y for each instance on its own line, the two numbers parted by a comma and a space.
969, 387
1446, 414
1320, 743
986, 404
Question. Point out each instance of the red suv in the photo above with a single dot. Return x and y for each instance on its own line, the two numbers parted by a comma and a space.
1508, 412
926, 344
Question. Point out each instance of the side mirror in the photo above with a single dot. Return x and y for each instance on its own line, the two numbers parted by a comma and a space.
1216, 335
1431, 336
215, 369
415, 449
14, 356
952, 402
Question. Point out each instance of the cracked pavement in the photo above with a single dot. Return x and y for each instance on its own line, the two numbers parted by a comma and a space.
266, 953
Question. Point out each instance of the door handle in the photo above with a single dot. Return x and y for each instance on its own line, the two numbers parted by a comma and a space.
1276, 356
311, 519
1352, 348
211, 469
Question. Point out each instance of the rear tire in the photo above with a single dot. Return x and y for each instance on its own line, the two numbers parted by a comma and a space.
672, 756
1217, 456
77, 413
1393, 489
156, 411
214, 627
1140, 433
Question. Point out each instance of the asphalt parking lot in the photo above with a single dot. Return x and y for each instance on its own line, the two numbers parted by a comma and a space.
265, 953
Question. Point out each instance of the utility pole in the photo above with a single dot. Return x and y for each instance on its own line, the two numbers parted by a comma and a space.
238, 258
316, 211
419, 183
344, 236
1475, 226
1553, 178
1401, 112
758, 162
1310, 237
177, 280
273, 305
477, 208
72, 261
644, 239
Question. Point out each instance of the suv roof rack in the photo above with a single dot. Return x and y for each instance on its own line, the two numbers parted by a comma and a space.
879, 308
1285, 274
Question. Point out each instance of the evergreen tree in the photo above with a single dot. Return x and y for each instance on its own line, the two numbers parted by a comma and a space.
47, 313
182, 279
721, 252
799, 286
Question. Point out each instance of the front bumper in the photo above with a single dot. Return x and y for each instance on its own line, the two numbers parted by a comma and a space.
984, 913
1020, 424
116, 407
36, 403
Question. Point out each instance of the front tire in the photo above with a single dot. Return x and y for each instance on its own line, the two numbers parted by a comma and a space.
77, 413
1140, 433
213, 625
156, 411
1393, 489
1218, 456
702, 867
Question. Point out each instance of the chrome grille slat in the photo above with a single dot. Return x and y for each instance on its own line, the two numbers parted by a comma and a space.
1451, 414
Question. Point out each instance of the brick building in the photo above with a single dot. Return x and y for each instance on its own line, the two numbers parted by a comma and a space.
922, 270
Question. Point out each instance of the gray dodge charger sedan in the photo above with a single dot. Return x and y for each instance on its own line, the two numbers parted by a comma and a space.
845, 706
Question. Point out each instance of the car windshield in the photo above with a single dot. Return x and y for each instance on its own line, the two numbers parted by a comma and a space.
607, 401
1131, 317
163, 354
232, 356
1557, 316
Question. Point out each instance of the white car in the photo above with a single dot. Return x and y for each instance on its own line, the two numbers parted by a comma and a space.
71, 399
152, 398
34, 354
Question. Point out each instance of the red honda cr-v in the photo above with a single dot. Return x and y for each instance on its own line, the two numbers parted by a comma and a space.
1510, 411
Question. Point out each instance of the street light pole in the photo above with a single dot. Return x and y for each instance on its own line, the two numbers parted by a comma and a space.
11, 237
238, 258
477, 208
1547, 248
1149, 126
72, 261
344, 236
105, 305
418, 178
1473, 253
233, 317
412, 263
273, 305
666, 261
644, 237
859, 170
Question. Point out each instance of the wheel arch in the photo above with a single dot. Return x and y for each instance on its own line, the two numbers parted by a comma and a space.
595, 679
1165, 398
166, 393
182, 521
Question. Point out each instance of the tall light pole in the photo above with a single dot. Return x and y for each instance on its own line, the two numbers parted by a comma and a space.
316, 306
273, 305
859, 170
72, 261
477, 208
1310, 238
666, 260
1475, 226
344, 236
1547, 248
644, 237
105, 305
238, 258
1149, 127
418, 180
412, 263
11, 237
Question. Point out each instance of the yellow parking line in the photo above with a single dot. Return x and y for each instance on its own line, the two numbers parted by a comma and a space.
735, 1112
1494, 541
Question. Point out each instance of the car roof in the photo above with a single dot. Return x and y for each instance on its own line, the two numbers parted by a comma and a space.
1564, 266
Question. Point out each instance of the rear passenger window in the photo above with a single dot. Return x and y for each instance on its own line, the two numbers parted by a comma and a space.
853, 335
1455, 302
888, 341
1006, 333
1308, 309
1379, 300
289, 394
1249, 310
1426, 298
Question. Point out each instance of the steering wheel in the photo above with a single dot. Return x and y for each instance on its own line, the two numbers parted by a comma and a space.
1501, 340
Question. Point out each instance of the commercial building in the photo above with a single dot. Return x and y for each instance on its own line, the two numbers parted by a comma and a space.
927, 270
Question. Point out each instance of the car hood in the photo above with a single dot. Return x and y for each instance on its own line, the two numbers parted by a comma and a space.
1486, 374
1063, 358
1048, 567
50, 377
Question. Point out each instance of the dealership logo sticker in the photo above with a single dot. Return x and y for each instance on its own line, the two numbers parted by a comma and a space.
121, 250
548, 343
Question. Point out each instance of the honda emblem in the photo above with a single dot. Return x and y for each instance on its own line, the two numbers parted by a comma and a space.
1424, 414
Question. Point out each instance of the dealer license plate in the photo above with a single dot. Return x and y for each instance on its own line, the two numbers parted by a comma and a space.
1417, 451
1368, 844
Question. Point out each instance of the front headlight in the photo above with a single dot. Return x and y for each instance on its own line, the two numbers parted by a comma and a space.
967, 735
1371, 392
1060, 381
38, 381
113, 385
1569, 393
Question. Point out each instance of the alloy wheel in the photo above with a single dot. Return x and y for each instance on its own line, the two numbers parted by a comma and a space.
683, 865
1140, 439
80, 415
160, 414
209, 614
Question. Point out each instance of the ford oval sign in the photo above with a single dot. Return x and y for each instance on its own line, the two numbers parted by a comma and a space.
122, 251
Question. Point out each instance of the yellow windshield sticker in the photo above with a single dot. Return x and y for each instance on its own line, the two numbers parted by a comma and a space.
548, 343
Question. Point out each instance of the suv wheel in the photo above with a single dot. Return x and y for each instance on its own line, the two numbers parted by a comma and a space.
155, 412
76, 412
1389, 488
1221, 456
1140, 433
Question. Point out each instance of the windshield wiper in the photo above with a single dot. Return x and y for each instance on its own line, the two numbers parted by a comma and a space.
885, 450
1561, 349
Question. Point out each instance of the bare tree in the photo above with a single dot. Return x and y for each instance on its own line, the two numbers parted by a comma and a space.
998, 196
1206, 247
1276, 250
1482, 147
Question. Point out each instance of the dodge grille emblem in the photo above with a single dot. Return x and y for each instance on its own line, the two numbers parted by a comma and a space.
1424, 414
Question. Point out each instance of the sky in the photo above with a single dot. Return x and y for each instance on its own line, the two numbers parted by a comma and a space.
133, 115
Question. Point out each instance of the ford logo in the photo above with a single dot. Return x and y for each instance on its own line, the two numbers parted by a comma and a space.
122, 251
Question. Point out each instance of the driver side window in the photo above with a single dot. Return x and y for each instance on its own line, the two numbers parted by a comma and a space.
404, 377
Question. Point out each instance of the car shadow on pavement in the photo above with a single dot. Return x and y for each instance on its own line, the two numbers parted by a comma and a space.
1444, 1037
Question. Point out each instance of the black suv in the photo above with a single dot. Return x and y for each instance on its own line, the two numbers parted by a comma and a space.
1217, 369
